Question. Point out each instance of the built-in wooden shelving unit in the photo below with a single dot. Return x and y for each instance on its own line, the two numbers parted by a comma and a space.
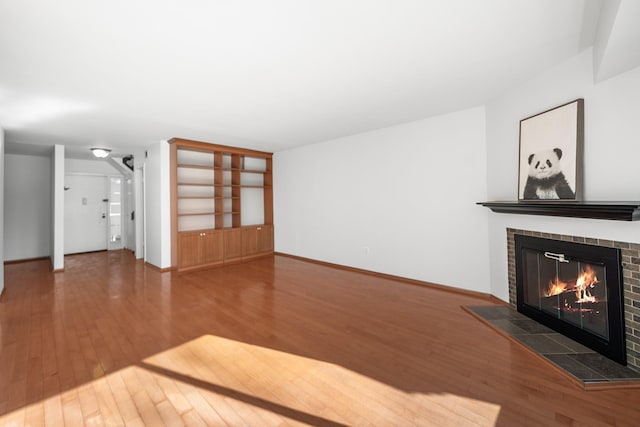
221, 204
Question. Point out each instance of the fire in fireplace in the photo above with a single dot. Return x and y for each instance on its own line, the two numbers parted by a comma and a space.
575, 289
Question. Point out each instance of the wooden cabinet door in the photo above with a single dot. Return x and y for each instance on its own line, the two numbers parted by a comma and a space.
232, 243
189, 251
249, 241
200, 248
257, 240
265, 238
212, 247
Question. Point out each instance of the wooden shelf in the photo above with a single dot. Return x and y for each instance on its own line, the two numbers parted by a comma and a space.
197, 197
209, 197
188, 166
195, 213
194, 184
616, 211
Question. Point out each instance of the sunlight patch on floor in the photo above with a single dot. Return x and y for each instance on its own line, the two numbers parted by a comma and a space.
216, 381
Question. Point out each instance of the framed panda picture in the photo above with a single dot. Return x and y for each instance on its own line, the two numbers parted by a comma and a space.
550, 158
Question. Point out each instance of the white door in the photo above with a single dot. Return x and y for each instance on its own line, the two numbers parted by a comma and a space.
86, 204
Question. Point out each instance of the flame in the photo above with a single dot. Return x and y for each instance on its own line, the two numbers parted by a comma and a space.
556, 287
584, 282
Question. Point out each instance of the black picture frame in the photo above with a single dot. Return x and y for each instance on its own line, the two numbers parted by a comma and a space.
550, 154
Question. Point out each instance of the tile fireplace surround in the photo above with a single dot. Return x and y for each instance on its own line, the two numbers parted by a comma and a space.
631, 282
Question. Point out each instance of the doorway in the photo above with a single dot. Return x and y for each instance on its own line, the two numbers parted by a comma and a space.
92, 213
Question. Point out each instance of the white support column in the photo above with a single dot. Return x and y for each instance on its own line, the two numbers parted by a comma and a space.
57, 208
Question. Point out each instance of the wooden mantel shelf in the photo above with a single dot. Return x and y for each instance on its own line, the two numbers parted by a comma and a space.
618, 211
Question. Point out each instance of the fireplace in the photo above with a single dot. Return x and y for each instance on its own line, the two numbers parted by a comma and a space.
575, 289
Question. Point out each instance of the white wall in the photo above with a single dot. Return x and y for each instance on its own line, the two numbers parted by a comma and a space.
27, 214
399, 200
57, 208
157, 206
611, 152
98, 167
1, 209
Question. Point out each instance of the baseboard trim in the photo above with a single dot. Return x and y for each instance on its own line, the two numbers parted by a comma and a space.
155, 267
218, 264
53, 269
445, 288
20, 261
494, 299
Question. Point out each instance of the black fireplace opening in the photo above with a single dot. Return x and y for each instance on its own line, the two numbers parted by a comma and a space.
574, 289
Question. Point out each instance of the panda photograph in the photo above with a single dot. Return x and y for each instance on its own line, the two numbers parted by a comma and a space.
546, 179
550, 153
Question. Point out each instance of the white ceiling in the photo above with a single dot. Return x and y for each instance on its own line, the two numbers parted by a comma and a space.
265, 74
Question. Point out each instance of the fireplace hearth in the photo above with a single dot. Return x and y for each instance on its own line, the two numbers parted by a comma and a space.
575, 289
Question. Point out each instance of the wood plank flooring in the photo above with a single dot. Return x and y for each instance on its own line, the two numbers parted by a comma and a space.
273, 342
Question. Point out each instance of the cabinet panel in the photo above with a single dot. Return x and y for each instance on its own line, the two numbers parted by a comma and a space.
232, 243
249, 241
256, 240
199, 248
188, 249
213, 247
265, 238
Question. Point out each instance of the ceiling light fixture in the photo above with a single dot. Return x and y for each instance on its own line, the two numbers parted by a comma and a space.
100, 152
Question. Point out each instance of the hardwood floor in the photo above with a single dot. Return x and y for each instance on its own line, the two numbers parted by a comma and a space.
277, 341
